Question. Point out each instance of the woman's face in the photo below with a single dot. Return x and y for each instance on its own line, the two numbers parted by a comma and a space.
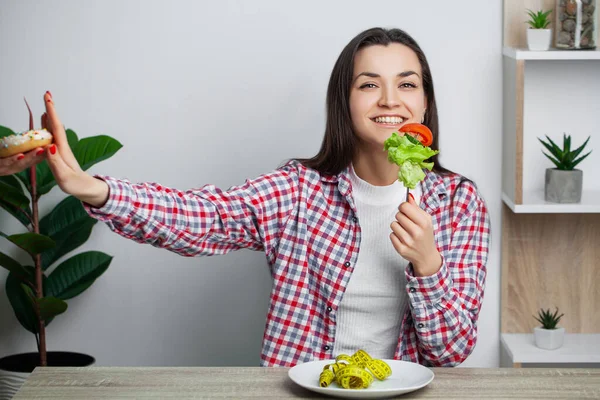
386, 92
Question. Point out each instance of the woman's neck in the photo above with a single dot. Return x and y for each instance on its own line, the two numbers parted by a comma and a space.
375, 168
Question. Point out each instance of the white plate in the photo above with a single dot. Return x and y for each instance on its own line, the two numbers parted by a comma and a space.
406, 377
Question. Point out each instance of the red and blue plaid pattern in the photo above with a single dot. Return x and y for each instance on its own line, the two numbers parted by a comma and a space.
306, 224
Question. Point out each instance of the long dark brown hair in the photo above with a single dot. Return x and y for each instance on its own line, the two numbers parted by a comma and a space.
339, 141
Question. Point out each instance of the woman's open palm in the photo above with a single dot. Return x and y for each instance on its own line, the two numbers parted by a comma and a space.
63, 164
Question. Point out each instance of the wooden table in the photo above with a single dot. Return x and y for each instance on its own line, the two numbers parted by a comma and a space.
273, 383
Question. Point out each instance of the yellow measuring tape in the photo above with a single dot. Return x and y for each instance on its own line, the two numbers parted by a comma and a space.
354, 372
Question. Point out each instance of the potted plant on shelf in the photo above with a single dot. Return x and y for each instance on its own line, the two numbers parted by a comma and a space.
548, 336
37, 290
563, 184
539, 36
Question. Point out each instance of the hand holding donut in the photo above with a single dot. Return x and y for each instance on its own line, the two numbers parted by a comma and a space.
20, 162
23, 150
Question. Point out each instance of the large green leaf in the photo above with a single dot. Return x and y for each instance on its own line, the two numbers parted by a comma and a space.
50, 307
44, 178
42, 175
92, 150
12, 181
4, 131
11, 195
66, 213
21, 303
32, 243
19, 213
69, 226
76, 274
72, 138
15, 267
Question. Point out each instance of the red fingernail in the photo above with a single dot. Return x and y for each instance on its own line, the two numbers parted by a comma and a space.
53, 149
49, 94
39, 152
20, 157
411, 196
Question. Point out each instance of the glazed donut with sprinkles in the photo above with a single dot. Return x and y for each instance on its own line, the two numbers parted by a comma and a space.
24, 142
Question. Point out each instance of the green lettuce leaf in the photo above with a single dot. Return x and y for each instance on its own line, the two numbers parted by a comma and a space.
410, 155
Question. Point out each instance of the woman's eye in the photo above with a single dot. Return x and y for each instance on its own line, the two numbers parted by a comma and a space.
368, 86
408, 85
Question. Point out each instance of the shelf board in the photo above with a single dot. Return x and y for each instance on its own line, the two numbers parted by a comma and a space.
577, 348
534, 203
552, 54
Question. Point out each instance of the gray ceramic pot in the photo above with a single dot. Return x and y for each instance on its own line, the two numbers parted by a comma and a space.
563, 186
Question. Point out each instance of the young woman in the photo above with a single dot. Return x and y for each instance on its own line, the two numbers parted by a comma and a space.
355, 264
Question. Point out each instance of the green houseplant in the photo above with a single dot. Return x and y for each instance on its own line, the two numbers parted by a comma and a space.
548, 336
564, 183
38, 290
539, 35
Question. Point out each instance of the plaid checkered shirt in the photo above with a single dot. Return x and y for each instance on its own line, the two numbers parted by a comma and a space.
306, 225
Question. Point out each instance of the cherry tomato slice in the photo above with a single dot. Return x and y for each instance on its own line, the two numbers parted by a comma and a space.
420, 132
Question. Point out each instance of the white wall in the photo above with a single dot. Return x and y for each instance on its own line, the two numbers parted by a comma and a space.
214, 92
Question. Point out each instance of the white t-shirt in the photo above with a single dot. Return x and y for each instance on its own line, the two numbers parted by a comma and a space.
371, 311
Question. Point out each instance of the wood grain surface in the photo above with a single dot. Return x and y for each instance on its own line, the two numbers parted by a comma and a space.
548, 261
273, 383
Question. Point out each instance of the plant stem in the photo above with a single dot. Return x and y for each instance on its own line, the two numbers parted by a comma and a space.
39, 288
39, 292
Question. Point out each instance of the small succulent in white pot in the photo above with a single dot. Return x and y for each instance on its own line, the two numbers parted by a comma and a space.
539, 36
564, 183
548, 336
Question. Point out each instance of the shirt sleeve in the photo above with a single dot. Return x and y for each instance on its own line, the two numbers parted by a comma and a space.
204, 221
445, 306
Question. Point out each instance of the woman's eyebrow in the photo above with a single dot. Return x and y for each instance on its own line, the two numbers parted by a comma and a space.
374, 75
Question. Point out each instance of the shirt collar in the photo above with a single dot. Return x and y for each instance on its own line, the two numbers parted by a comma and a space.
432, 186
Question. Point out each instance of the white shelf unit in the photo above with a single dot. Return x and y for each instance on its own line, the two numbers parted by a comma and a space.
534, 203
549, 251
578, 348
552, 54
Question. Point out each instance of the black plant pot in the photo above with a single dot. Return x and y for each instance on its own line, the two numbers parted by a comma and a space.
15, 369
